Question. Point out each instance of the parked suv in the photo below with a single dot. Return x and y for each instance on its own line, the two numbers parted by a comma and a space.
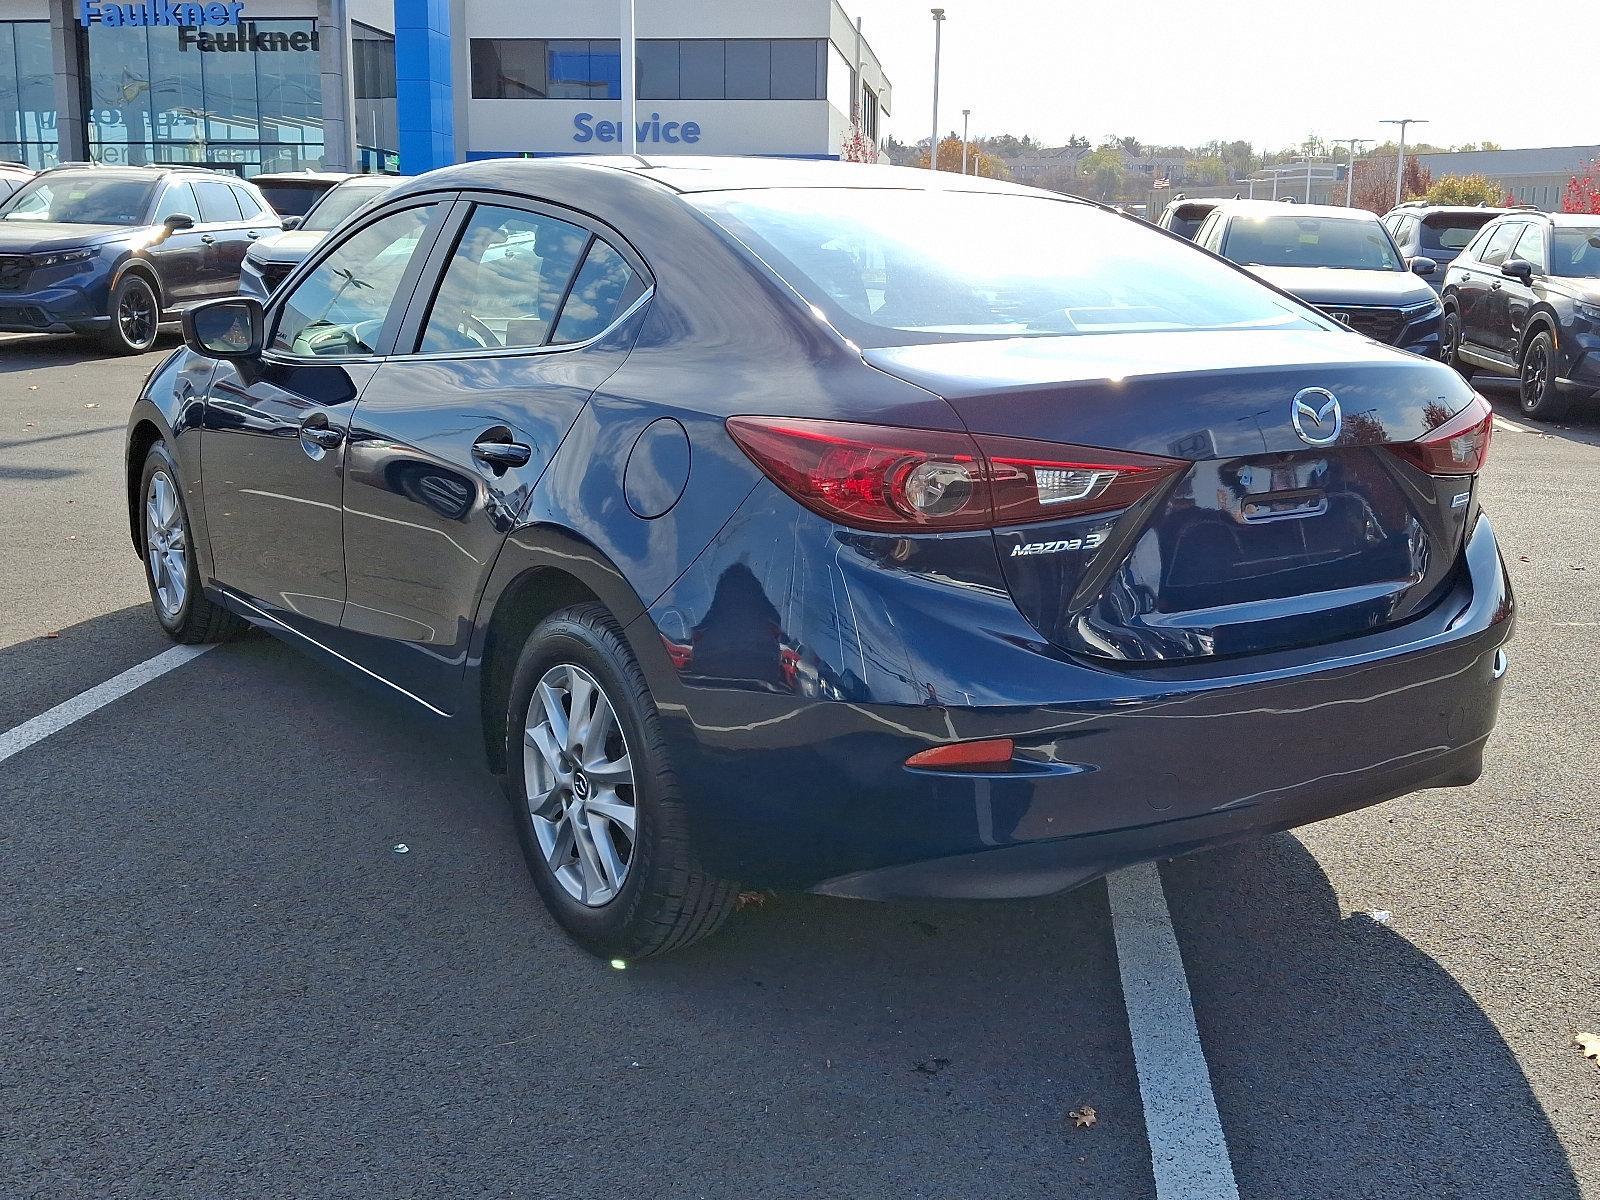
1436, 231
272, 258
114, 251
292, 193
1523, 299
1184, 217
12, 176
807, 525
1340, 260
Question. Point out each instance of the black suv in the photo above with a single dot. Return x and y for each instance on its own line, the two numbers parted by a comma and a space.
1523, 299
114, 251
1436, 231
1340, 260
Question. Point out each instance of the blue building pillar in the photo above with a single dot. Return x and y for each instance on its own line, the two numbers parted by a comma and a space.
422, 72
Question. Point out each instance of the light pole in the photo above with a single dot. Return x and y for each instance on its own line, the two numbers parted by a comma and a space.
1400, 161
1350, 169
966, 114
933, 145
629, 80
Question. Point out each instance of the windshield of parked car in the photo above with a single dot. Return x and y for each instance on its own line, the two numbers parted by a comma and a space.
1452, 231
1301, 241
1575, 252
338, 204
293, 199
937, 265
81, 198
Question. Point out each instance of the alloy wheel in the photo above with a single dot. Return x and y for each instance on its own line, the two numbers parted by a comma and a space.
1535, 375
136, 316
580, 785
166, 544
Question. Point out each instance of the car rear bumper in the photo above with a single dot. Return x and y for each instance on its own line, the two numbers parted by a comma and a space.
1112, 767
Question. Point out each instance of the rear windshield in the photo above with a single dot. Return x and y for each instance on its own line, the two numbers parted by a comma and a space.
1290, 241
82, 198
1453, 231
1187, 221
1575, 252
292, 199
906, 266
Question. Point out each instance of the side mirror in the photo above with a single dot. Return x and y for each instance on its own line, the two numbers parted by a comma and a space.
1519, 269
232, 328
1422, 266
292, 223
177, 221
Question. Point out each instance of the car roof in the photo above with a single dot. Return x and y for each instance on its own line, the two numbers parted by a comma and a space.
687, 174
279, 177
1277, 208
1465, 210
152, 172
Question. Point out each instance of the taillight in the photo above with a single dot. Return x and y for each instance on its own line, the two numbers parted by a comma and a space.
1458, 447
885, 478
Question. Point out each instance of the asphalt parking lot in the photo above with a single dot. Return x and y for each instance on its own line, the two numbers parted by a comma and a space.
218, 977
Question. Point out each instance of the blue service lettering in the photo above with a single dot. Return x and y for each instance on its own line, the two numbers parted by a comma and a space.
586, 129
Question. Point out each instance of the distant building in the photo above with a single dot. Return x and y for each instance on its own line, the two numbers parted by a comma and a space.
1535, 176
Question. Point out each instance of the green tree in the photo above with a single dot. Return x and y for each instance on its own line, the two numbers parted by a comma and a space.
1103, 173
1205, 172
1464, 189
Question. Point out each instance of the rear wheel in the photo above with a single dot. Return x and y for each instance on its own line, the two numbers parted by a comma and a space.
169, 563
1452, 343
135, 316
597, 808
1540, 398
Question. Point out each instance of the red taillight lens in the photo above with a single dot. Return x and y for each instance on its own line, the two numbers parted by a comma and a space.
1458, 447
884, 478
967, 756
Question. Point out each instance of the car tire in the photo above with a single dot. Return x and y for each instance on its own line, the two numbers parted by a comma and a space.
1451, 331
135, 316
1538, 395
170, 572
620, 892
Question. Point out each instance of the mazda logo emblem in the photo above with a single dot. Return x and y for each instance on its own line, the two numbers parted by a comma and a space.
1316, 416
580, 786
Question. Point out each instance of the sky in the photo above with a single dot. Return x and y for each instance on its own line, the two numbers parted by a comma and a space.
1265, 71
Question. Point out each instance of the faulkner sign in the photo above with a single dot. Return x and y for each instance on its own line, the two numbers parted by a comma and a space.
194, 24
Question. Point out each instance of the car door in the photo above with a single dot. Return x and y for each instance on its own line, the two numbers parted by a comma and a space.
1480, 288
274, 435
179, 254
225, 234
451, 436
1518, 298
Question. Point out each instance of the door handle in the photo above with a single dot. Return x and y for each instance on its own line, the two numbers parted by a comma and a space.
501, 455
254, 234
322, 435
207, 238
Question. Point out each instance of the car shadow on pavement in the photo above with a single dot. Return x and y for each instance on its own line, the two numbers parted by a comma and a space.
1580, 425
29, 352
1346, 1061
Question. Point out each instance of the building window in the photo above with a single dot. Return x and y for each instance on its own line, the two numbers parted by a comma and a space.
27, 94
377, 118
546, 69
869, 114
731, 69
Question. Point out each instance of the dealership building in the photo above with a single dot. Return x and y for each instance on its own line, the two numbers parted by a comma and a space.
407, 85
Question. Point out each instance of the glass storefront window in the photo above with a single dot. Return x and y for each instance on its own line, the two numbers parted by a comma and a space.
377, 118
27, 94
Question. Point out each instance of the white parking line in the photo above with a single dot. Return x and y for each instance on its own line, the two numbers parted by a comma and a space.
14, 741
1510, 426
1188, 1153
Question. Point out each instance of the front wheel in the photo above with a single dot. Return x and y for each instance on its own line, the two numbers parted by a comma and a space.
1540, 398
597, 808
1451, 352
169, 564
135, 316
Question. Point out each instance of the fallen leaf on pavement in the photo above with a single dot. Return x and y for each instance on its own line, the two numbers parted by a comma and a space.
1083, 1118
931, 1066
52, 635
1589, 1044
751, 900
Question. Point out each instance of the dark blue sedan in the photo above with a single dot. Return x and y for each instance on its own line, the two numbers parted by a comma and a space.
846, 528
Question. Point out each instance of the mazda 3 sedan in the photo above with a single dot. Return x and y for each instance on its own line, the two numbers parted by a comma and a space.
833, 527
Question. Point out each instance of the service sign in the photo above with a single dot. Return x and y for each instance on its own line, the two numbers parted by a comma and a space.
157, 13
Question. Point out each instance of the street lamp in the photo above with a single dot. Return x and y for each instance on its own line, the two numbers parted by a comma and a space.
1400, 162
1350, 168
933, 145
965, 114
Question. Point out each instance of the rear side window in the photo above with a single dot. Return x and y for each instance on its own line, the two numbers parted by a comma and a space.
505, 280
249, 204
1501, 239
605, 285
217, 204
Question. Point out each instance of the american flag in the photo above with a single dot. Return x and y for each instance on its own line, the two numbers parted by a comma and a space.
1161, 182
